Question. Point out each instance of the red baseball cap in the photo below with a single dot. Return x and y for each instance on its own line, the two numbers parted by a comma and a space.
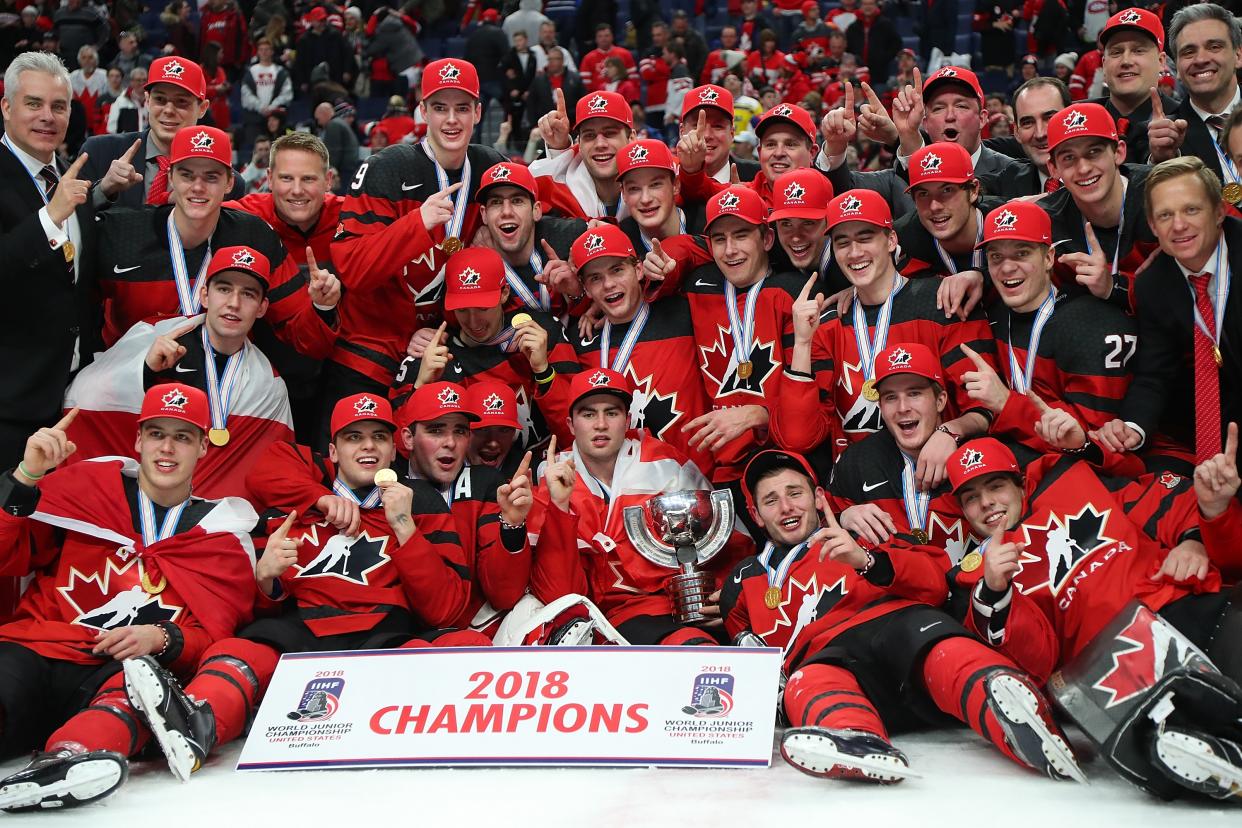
604, 240
1018, 221
489, 16
645, 154
177, 402
201, 142
1135, 19
433, 401
493, 403
317, 15
802, 193
810, 5
598, 381
245, 259
985, 455
953, 74
508, 173
450, 73
739, 201
1081, 120
908, 358
473, 278
770, 460
790, 114
710, 95
178, 71
942, 163
611, 105
860, 205
358, 407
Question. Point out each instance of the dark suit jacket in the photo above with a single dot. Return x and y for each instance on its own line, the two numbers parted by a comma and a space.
44, 313
1198, 139
1161, 399
104, 149
543, 101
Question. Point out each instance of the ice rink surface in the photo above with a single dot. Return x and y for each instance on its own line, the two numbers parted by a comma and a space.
965, 784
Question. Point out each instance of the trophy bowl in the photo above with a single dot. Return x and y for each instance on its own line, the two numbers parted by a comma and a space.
683, 530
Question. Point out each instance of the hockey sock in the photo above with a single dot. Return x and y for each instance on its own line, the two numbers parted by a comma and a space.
823, 695
688, 637
452, 638
232, 677
109, 722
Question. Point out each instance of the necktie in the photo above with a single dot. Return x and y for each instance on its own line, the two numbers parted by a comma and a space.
1207, 375
50, 180
158, 193
1052, 185
1215, 123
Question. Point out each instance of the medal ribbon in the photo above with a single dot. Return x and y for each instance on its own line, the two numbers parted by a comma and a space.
460, 198
867, 346
976, 255
40, 185
627, 342
1226, 166
220, 388
544, 302
187, 293
917, 503
743, 330
825, 258
646, 240
1121, 224
146, 519
369, 502
1221, 271
1023, 380
777, 575
504, 340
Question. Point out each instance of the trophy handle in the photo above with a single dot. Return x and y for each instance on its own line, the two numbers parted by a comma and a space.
657, 551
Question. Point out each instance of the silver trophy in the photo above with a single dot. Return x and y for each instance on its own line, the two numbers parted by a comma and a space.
683, 530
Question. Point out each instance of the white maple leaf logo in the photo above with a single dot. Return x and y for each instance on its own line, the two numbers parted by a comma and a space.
931, 163
947, 72
243, 258
709, 96
597, 379
1075, 120
782, 111
971, 459
1130, 17
173, 69
364, 405
1005, 220
795, 192
448, 397
468, 277
501, 173
175, 399
597, 104
638, 154
449, 73
899, 358
851, 205
202, 141
493, 403
594, 242
729, 201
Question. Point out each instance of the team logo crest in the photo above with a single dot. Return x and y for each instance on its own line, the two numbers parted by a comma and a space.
1149, 649
729, 201
782, 111
709, 96
971, 459
711, 696
1005, 220
202, 142
493, 404
469, 277
1129, 18
174, 69
1074, 120
501, 173
638, 154
594, 243
851, 206
448, 397
931, 163
320, 700
449, 73
175, 399
597, 379
947, 72
794, 192
1170, 480
243, 258
364, 406
597, 104
899, 358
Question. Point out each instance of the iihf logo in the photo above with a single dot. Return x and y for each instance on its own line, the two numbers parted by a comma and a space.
947, 72
1074, 120
711, 696
320, 700
729, 201
851, 205
597, 104
449, 73
1005, 220
243, 258
501, 173
493, 404
594, 242
971, 459
175, 399
469, 277
638, 154
782, 111
931, 163
364, 406
173, 69
795, 192
1130, 17
448, 397
597, 379
899, 358
202, 141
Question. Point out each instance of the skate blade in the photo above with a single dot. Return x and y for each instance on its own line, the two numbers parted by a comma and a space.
1020, 707
143, 689
85, 781
799, 749
1208, 764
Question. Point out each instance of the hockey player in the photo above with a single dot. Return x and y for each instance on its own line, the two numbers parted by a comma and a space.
603, 124
151, 262
407, 211
125, 563
865, 649
717, 135
392, 576
211, 352
647, 173
495, 431
832, 366
799, 216
583, 546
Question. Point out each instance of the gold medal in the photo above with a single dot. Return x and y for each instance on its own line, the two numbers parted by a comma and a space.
521, 319
1232, 192
69, 250
971, 562
153, 589
1216, 355
869, 392
451, 245
385, 476
745, 369
772, 597
920, 535
218, 437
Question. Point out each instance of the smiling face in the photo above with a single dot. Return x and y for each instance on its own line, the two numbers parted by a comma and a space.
740, 249
1089, 167
170, 108
911, 406
1132, 65
233, 300
651, 195
944, 209
481, 324
953, 114
199, 187
299, 186
991, 500
37, 117
803, 240
360, 449
599, 141
168, 450
1034, 110
438, 448
782, 148
490, 445
718, 137
598, 423
451, 117
1185, 221
510, 214
1021, 273
864, 253
786, 503
1207, 62
613, 284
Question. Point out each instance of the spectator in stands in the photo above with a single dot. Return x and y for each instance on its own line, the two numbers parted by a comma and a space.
812, 32
654, 71
547, 39
793, 85
182, 36
394, 126
1027, 69
519, 70
486, 48
323, 44
994, 22
719, 61
587, 20
763, 65
113, 89
843, 16
256, 176
394, 41
1050, 31
873, 39
276, 124
76, 26
339, 137
222, 23
939, 29
1064, 69
750, 24
217, 86
277, 33
691, 41
128, 57
555, 76
593, 61
30, 34
88, 86
129, 111
265, 86
528, 18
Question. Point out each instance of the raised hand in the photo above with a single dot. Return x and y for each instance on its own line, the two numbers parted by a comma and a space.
869, 521
554, 126
873, 119
807, 312
121, 174
532, 340
1093, 270
558, 274
438, 209
1216, 479
692, 148
514, 497
839, 125
839, 544
70, 192
435, 358
908, 114
419, 342
1057, 427
1116, 436
165, 351
983, 383
559, 476
398, 502
341, 512
959, 293
657, 265
46, 449
325, 288
591, 321
1000, 561
280, 553
1165, 136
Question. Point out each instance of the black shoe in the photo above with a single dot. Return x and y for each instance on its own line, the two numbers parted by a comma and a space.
1204, 764
184, 729
63, 779
844, 754
1030, 731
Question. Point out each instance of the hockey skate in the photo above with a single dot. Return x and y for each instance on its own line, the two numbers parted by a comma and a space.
65, 778
1029, 728
185, 730
1205, 764
844, 754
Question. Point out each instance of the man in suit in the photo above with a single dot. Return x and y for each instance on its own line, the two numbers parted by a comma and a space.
556, 75
1035, 103
176, 98
1206, 43
1188, 368
1132, 49
44, 332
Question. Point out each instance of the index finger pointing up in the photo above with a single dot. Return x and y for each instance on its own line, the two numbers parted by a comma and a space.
980, 365
1157, 105
552, 449
522, 468
701, 127
310, 258
849, 101
75, 167
1231, 442
449, 190
560, 103
68, 419
547, 248
806, 289
129, 153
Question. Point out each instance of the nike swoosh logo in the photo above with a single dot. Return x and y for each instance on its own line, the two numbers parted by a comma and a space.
181, 370
873, 486
928, 627
405, 188
119, 269
701, 283
737, 579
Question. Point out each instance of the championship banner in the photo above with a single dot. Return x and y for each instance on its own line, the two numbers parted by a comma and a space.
618, 706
